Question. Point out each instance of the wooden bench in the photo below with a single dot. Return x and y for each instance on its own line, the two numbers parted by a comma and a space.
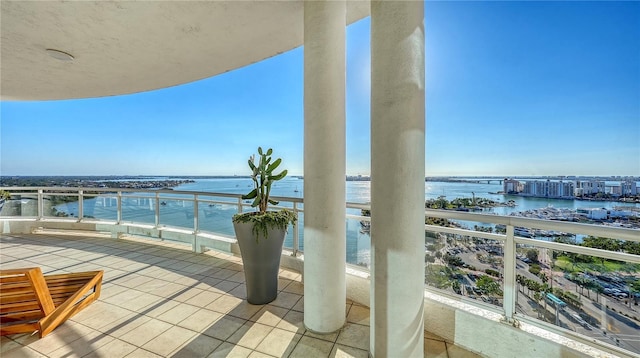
31, 301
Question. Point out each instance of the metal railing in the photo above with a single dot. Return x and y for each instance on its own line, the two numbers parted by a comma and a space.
162, 208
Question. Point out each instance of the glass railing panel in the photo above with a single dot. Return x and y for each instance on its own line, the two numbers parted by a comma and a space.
138, 209
20, 205
593, 296
176, 213
215, 216
289, 240
358, 242
100, 206
464, 264
60, 205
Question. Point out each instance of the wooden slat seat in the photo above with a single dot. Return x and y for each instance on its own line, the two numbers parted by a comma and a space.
30, 301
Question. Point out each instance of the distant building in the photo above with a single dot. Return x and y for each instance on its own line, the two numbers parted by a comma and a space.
628, 187
549, 189
604, 214
589, 187
511, 186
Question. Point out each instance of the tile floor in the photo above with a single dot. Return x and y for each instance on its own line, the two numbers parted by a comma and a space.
161, 300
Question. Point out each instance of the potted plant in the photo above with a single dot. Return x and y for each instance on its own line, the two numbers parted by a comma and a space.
261, 233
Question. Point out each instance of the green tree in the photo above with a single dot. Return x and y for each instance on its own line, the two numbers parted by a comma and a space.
489, 285
631, 247
532, 254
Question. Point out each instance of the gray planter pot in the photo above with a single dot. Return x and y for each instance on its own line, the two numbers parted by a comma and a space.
261, 260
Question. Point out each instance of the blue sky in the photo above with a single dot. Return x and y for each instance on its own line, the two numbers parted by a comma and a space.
513, 88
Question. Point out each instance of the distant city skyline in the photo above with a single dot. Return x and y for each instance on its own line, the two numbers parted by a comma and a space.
513, 89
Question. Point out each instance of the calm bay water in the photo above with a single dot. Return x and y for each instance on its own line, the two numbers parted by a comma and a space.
179, 213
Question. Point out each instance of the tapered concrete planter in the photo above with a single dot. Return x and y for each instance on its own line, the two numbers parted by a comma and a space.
261, 260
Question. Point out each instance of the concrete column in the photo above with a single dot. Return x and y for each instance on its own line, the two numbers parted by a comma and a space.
324, 165
397, 178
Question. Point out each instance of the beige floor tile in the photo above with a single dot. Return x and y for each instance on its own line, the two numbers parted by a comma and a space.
429, 335
354, 335
141, 302
256, 354
224, 286
295, 287
142, 353
237, 277
145, 332
22, 352
250, 334
111, 290
224, 304
283, 282
299, 306
454, 351
44, 345
330, 337
203, 299
200, 346
169, 340
359, 315
7, 344
186, 294
168, 290
435, 349
293, 321
279, 343
124, 325
245, 310
107, 314
290, 275
340, 351
82, 346
160, 307
178, 313
134, 281
311, 347
269, 315
229, 350
115, 348
224, 274
207, 283
224, 327
200, 320
240, 291
286, 300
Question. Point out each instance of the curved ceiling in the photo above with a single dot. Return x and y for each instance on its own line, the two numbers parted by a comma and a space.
122, 47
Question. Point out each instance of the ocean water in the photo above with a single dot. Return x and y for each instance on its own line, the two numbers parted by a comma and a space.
216, 217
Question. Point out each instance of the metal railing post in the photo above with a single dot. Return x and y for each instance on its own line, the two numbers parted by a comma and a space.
40, 204
239, 205
196, 226
157, 210
510, 283
296, 234
196, 223
119, 207
80, 205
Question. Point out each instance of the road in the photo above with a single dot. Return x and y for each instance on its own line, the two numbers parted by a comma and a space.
602, 324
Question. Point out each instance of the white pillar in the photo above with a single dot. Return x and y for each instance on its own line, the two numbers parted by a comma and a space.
397, 178
324, 165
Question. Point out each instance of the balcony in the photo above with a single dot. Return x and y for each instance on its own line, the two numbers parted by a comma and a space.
160, 299
170, 255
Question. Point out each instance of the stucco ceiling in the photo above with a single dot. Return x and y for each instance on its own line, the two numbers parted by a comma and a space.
121, 47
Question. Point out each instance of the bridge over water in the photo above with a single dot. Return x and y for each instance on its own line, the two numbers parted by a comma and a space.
466, 180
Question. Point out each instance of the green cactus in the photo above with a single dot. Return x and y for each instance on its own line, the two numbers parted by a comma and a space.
263, 178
